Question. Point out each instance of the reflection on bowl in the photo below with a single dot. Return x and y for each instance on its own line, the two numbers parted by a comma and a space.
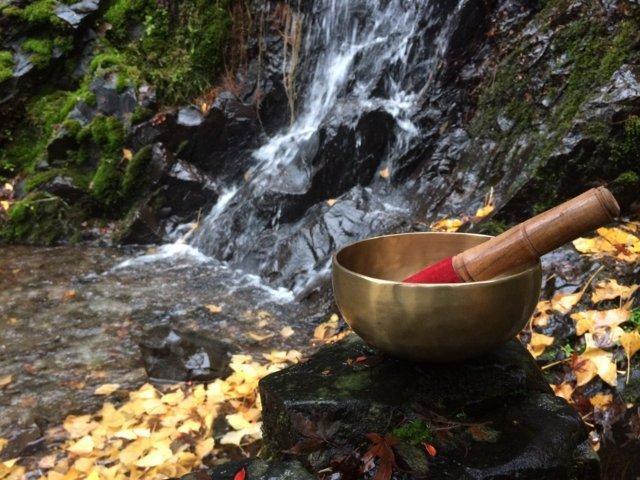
440, 322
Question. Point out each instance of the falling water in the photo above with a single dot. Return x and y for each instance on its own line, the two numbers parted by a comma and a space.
362, 50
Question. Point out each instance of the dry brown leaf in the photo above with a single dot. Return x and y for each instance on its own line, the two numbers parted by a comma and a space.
538, 343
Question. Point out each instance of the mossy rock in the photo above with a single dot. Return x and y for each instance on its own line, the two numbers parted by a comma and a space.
40, 219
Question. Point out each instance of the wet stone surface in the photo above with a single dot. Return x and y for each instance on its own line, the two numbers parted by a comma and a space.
488, 418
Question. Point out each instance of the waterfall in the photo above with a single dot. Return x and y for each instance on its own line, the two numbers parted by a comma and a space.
362, 56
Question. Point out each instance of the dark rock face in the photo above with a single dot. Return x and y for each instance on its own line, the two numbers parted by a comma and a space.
255, 469
65, 188
110, 101
501, 417
174, 355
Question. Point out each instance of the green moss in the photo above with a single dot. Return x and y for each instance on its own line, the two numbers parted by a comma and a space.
106, 132
6, 65
105, 185
39, 218
134, 179
122, 14
37, 12
40, 50
140, 114
414, 432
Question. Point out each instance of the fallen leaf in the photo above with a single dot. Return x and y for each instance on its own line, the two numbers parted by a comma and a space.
48, 461
83, 446
564, 390
630, 341
430, 449
483, 433
384, 173
240, 474
382, 450
538, 343
327, 329
610, 289
597, 362
127, 154
564, 302
155, 457
447, 225
5, 380
213, 308
106, 389
601, 400
331, 202
594, 320
484, 211
286, 332
259, 337
69, 294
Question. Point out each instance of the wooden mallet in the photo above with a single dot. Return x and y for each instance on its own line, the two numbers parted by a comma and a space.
526, 242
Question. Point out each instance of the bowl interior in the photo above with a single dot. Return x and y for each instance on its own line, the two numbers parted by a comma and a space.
394, 257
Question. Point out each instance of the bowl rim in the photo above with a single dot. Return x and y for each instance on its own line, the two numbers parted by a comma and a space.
494, 281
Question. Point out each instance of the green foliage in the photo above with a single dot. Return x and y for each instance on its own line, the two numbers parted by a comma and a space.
140, 114
635, 317
6, 65
414, 432
108, 133
123, 13
40, 49
134, 179
39, 218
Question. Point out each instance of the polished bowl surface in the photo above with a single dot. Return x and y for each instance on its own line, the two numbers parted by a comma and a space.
443, 322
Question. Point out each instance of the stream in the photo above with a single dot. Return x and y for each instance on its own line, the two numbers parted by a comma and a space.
71, 319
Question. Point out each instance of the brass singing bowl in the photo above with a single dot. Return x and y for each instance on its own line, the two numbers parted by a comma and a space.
442, 322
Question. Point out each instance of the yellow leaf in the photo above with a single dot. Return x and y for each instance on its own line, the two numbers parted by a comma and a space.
630, 341
384, 173
235, 437
538, 343
594, 320
331, 202
84, 464
447, 225
127, 154
564, 390
213, 308
601, 400
237, 421
326, 329
593, 245
564, 302
204, 447
155, 457
3, 443
5, 380
5, 205
79, 426
83, 446
605, 368
610, 289
484, 211
106, 389
259, 337
94, 475
286, 332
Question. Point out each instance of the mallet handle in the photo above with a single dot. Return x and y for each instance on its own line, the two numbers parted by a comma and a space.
528, 241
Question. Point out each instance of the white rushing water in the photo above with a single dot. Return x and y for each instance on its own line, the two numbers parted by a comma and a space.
358, 56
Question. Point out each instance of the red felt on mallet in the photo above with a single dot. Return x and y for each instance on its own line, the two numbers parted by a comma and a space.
525, 243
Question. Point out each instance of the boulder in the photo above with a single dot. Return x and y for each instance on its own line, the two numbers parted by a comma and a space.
65, 188
488, 418
175, 355
255, 469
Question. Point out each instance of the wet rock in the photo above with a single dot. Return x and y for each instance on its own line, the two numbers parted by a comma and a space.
170, 354
82, 113
503, 420
20, 430
141, 226
256, 469
62, 142
65, 188
75, 13
109, 100
188, 189
190, 117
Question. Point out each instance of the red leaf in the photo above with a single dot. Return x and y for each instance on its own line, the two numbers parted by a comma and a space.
431, 450
240, 474
382, 450
361, 358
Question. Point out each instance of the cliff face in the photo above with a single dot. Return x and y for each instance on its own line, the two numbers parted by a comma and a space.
331, 122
